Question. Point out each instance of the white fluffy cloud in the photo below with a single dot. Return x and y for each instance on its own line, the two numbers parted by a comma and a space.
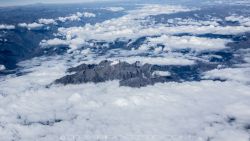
156, 9
191, 42
88, 15
43, 22
69, 18
166, 60
239, 72
235, 74
245, 21
194, 22
54, 42
2, 67
47, 21
8, 27
77, 16
31, 26
114, 9
161, 73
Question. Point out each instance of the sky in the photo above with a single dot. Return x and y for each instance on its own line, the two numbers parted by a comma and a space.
24, 2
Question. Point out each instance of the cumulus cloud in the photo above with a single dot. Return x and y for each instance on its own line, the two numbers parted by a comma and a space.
161, 73
114, 9
234, 74
245, 21
6, 27
157, 9
191, 42
166, 60
194, 22
238, 72
69, 18
43, 22
31, 26
246, 56
88, 15
47, 21
54, 42
77, 16
3, 40
2, 67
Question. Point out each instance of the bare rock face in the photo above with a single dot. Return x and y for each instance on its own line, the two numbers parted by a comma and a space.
132, 75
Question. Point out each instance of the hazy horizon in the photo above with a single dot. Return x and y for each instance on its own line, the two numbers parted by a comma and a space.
26, 2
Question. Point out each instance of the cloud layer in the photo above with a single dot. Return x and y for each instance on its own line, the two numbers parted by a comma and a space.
31, 108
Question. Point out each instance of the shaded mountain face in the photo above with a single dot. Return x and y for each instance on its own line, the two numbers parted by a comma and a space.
132, 75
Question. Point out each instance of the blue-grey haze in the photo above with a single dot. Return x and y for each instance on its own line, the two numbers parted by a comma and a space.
24, 2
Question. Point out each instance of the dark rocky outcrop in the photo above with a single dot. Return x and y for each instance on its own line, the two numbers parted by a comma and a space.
132, 75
